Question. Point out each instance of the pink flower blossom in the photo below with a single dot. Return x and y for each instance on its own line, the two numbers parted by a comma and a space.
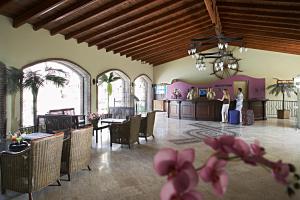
257, 150
281, 171
223, 144
214, 172
182, 176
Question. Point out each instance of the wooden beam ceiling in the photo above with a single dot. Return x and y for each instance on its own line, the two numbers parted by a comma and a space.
159, 31
68, 11
179, 13
90, 15
36, 11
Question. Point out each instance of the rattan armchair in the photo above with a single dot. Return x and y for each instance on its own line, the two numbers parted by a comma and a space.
76, 153
147, 125
34, 168
126, 132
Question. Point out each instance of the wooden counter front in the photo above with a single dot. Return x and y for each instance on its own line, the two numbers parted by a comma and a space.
209, 110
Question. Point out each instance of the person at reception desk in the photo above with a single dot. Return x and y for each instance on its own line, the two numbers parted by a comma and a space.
192, 94
226, 101
210, 94
239, 102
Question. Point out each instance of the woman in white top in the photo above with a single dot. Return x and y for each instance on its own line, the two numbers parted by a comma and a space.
239, 102
225, 106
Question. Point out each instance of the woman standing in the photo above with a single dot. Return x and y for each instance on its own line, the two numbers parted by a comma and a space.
225, 106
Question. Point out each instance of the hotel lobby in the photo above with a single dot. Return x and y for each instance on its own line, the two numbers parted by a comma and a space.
150, 99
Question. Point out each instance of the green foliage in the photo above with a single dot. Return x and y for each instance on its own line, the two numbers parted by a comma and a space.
108, 80
287, 88
14, 79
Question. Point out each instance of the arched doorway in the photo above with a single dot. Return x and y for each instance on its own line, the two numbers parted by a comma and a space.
120, 96
143, 91
76, 93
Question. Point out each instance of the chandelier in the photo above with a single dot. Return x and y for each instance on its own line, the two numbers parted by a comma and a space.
224, 58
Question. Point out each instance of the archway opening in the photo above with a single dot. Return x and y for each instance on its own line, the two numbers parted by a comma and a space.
75, 94
143, 91
120, 96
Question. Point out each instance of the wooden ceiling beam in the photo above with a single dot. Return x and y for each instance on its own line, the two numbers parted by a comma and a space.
290, 27
170, 52
191, 33
104, 23
167, 58
261, 31
4, 3
266, 19
247, 5
181, 29
145, 14
157, 48
182, 45
171, 16
161, 45
127, 44
87, 16
66, 12
248, 11
36, 11
214, 15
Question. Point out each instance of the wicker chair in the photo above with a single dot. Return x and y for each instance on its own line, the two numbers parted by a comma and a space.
76, 153
34, 168
126, 132
147, 125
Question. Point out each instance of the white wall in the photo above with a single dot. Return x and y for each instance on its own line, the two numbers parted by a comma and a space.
22, 46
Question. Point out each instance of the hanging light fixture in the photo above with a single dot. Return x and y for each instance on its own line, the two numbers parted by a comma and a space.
223, 52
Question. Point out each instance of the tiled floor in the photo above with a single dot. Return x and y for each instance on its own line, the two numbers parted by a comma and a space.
122, 173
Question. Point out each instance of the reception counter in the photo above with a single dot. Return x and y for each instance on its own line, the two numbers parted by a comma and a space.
209, 110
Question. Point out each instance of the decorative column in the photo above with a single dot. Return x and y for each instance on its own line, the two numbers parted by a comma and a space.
2, 100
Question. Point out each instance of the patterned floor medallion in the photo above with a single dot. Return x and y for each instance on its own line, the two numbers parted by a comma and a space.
207, 129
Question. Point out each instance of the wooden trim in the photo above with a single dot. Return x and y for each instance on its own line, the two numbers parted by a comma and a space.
93, 13
68, 11
36, 11
214, 15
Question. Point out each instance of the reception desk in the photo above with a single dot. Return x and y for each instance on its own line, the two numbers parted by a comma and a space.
209, 110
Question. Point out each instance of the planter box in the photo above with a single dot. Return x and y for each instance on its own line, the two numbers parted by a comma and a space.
283, 114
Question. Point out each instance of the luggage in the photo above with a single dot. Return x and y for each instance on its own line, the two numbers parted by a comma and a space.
234, 117
248, 117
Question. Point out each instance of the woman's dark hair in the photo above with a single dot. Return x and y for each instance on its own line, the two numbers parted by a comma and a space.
240, 89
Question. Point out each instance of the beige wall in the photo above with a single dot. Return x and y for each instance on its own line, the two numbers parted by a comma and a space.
256, 63
21, 46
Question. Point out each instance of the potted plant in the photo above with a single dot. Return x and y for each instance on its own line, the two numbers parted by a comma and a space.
284, 87
33, 80
108, 80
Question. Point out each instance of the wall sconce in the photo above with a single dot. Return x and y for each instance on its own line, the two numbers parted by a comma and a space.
94, 81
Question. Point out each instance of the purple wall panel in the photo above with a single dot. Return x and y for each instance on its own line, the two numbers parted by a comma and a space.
256, 87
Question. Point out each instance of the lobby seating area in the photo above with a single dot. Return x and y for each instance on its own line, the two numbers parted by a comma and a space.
149, 99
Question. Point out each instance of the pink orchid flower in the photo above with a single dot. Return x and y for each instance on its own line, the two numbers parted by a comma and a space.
214, 172
257, 150
223, 144
281, 171
182, 176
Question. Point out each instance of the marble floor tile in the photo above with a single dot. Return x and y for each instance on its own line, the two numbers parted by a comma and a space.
125, 174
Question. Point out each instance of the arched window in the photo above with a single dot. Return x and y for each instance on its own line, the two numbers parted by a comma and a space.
120, 96
75, 94
143, 91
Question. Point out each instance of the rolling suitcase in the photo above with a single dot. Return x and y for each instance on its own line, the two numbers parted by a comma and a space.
248, 117
234, 117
